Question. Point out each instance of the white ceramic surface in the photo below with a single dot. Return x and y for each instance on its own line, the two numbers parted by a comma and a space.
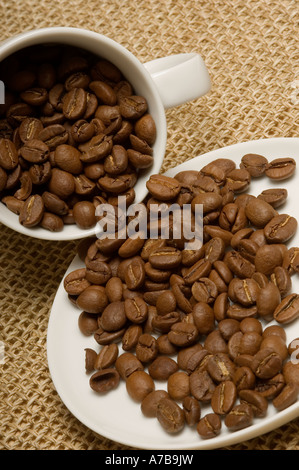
164, 82
115, 415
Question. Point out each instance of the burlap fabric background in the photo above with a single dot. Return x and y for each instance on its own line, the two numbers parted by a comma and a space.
251, 50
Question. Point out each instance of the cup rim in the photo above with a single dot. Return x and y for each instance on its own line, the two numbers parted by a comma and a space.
72, 35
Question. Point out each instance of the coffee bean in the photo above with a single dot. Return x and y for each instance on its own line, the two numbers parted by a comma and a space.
84, 214
288, 310
139, 384
90, 356
104, 380
8, 154
67, 158
126, 364
183, 334
170, 415
32, 212
106, 357
280, 229
209, 426
192, 410
224, 397
256, 401
240, 417
162, 368
163, 187
276, 197
178, 385
132, 107
93, 299
281, 168
88, 325
255, 164
149, 404
266, 363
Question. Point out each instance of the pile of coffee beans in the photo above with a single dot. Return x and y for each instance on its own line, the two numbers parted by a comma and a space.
73, 134
188, 329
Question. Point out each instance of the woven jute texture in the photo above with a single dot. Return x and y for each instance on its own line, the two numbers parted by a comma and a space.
251, 50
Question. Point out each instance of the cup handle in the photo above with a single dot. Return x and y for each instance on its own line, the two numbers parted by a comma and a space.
179, 78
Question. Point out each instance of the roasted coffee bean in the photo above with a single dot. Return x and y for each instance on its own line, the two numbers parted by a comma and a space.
240, 266
74, 103
145, 129
106, 357
281, 278
35, 151
288, 310
204, 318
126, 364
238, 180
67, 158
189, 358
276, 197
277, 344
90, 356
87, 323
240, 417
201, 385
170, 415
12, 203
287, 397
84, 214
93, 299
178, 385
113, 317
32, 212
104, 380
243, 291
192, 410
146, 348
162, 368
139, 384
104, 92
281, 168
267, 301
103, 337
266, 363
8, 154
256, 165
3, 179
259, 212
131, 336
209, 426
204, 290
291, 260
149, 404
268, 257
280, 229
255, 400
53, 135
97, 271
51, 222
183, 334
220, 367
163, 187
244, 378
224, 397
132, 107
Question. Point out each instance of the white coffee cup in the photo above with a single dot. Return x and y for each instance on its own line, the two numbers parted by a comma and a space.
165, 82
